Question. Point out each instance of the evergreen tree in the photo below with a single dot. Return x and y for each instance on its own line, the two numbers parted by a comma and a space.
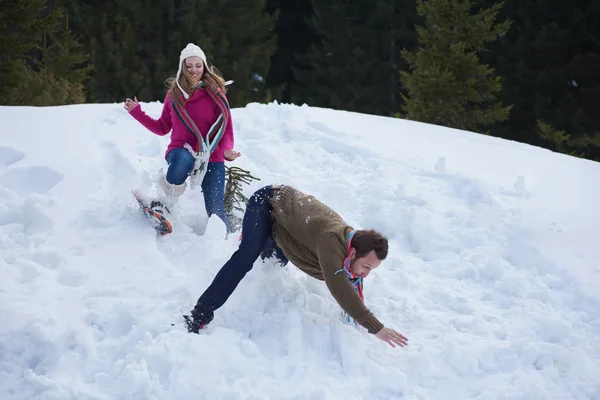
294, 36
125, 41
332, 74
65, 56
42, 64
20, 31
238, 37
135, 45
447, 84
587, 146
44, 88
353, 63
550, 66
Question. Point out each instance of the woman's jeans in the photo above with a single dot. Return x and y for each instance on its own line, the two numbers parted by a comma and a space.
181, 164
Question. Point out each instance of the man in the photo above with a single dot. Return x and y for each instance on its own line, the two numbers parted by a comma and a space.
299, 228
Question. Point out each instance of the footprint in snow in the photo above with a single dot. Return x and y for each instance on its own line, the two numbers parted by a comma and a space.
72, 279
30, 180
9, 156
48, 259
30, 217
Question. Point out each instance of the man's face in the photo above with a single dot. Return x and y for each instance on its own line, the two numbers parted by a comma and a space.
363, 266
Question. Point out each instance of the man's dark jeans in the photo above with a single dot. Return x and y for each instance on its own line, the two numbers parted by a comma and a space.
257, 240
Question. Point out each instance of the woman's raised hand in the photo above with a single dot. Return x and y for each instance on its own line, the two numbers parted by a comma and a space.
131, 104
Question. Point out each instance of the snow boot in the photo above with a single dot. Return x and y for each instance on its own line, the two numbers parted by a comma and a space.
167, 200
192, 325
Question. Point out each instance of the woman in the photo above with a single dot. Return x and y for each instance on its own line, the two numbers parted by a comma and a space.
195, 105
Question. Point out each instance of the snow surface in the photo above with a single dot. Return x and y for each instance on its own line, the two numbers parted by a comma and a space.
493, 271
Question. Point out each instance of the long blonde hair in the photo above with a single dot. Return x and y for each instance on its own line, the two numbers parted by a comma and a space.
211, 77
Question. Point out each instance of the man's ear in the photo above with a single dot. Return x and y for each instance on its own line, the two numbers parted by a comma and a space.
352, 253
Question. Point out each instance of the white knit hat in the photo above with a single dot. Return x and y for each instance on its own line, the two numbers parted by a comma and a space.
190, 50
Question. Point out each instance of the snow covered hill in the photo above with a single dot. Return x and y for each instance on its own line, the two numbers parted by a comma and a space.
493, 272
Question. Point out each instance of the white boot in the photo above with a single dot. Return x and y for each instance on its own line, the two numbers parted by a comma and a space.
170, 194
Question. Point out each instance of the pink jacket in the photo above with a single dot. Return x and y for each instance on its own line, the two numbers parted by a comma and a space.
202, 109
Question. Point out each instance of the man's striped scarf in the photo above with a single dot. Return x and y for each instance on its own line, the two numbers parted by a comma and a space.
355, 281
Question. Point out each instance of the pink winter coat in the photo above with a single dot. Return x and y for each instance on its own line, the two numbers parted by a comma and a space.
202, 109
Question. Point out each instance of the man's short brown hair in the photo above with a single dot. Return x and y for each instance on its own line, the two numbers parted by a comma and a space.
364, 241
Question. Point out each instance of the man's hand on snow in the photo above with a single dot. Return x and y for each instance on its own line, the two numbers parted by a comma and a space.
392, 337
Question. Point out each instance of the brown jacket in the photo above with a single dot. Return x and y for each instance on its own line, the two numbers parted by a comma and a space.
315, 239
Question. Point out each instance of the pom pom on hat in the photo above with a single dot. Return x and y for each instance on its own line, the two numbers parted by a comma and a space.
191, 50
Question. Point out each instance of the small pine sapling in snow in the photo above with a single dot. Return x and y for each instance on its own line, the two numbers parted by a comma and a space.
234, 196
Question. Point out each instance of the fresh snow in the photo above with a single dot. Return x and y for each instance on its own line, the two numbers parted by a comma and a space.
493, 270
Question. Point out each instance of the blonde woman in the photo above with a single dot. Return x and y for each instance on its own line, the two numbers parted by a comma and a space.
197, 113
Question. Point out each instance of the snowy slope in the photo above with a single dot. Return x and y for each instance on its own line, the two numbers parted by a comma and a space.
493, 272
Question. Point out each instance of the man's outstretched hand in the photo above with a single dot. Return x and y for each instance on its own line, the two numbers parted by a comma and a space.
392, 337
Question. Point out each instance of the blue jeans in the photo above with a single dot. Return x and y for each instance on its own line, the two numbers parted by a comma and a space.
257, 237
181, 164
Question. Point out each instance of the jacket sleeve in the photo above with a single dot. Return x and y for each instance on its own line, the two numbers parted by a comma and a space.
227, 141
161, 126
331, 258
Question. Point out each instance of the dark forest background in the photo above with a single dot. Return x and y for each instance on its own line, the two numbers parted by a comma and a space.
525, 70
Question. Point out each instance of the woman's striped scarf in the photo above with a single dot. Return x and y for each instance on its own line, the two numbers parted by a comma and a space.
207, 144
